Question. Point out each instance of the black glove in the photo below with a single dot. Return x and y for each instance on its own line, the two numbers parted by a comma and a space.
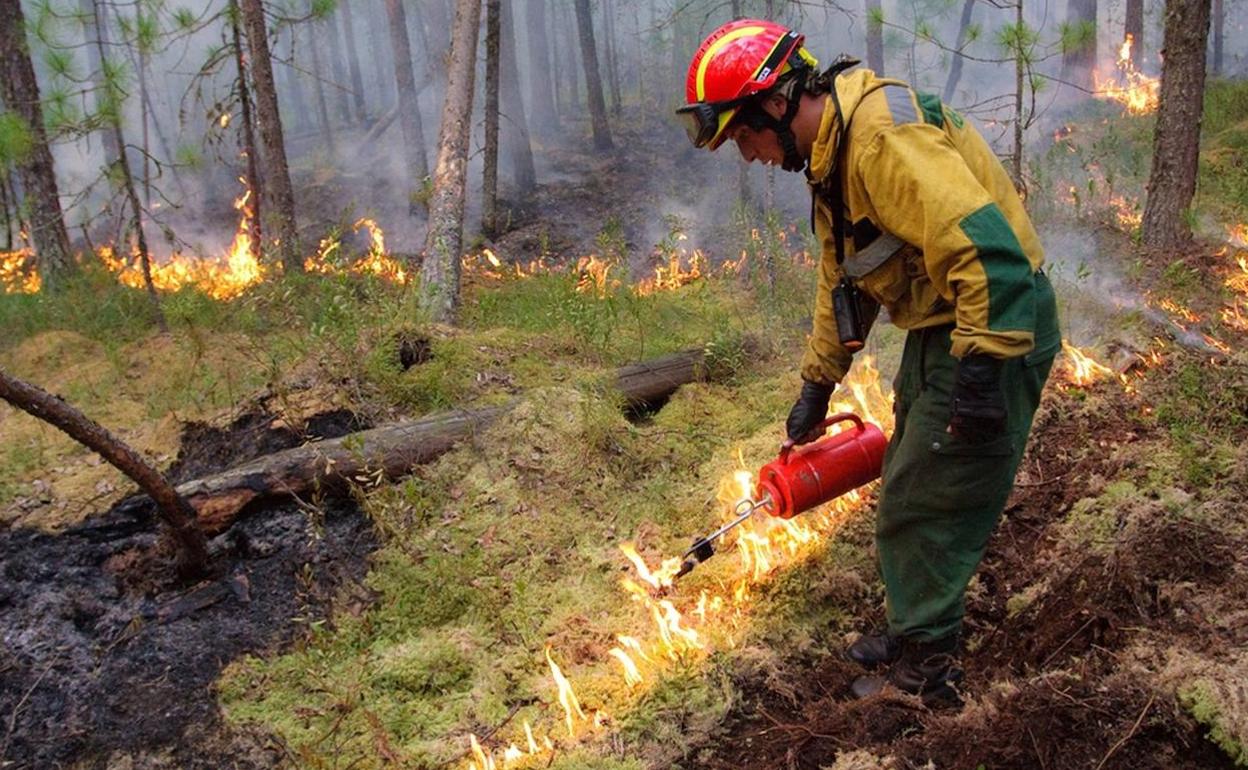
977, 405
808, 412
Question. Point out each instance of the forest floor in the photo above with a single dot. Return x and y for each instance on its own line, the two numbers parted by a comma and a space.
1106, 628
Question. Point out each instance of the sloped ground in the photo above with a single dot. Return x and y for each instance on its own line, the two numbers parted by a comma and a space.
1074, 648
1107, 626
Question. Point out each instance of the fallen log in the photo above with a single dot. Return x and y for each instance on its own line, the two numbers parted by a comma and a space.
390, 451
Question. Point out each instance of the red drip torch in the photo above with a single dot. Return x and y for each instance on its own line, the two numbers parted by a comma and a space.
800, 480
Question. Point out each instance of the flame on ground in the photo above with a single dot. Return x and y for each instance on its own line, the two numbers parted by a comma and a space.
567, 697
1134, 90
376, 261
17, 272
1082, 369
719, 613
224, 277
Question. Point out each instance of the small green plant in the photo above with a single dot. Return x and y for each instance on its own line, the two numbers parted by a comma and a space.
611, 243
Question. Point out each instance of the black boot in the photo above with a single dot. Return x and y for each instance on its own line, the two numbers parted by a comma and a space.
927, 669
874, 650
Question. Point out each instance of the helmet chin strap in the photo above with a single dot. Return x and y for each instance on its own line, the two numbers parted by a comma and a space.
783, 125
793, 161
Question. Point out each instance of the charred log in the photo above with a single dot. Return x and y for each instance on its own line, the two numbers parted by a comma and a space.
390, 451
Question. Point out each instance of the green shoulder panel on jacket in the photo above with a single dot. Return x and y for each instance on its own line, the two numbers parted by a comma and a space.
932, 112
1011, 286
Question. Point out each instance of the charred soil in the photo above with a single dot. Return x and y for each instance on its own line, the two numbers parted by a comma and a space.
106, 659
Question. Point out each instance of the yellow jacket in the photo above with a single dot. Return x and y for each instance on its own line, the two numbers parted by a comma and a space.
915, 169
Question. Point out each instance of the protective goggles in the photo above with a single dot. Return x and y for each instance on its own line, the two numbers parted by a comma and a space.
705, 120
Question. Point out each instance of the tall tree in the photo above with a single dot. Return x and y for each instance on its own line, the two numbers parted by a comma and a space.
97, 33
1176, 138
440, 273
516, 125
489, 191
593, 81
613, 63
875, 36
318, 88
247, 133
377, 55
1079, 54
1219, 19
342, 98
955, 69
437, 37
540, 75
20, 92
277, 173
353, 63
564, 25
409, 106
1133, 26
114, 96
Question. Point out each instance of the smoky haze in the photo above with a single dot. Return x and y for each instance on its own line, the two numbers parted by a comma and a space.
335, 79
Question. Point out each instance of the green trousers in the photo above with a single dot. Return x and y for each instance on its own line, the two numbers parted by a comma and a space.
942, 497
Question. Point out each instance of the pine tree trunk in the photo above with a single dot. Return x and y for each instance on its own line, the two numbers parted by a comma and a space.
1176, 139
567, 23
20, 91
955, 69
516, 127
1079, 61
1219, 19
613, 64
329, 32
875, 38
353, 64
318, 89
593, 81
438, 38
248, 134
381, 70
1133, 25
277, 173
557, 68
440, 274
489, 186
6, 208
292, 88
409, 106
540, 73
97, 33
132, 197
174, 510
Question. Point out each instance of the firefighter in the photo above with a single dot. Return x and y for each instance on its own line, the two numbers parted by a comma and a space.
915, 215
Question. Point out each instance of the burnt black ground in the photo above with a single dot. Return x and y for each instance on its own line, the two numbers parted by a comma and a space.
88, 667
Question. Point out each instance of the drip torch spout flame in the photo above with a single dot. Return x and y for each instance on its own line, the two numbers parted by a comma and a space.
704, 548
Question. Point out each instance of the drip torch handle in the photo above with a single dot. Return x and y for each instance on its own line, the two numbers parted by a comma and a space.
787, 447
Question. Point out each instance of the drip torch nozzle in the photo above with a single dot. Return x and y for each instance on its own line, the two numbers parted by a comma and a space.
704, 547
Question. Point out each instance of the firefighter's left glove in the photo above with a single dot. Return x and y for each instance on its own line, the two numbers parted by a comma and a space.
808, 412
977, 406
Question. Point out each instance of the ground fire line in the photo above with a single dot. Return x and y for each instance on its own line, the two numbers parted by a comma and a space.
719, 615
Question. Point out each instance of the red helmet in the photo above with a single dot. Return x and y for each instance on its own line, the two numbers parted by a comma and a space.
736, 62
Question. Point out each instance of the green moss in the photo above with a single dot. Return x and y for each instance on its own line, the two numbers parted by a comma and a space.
1201, 700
